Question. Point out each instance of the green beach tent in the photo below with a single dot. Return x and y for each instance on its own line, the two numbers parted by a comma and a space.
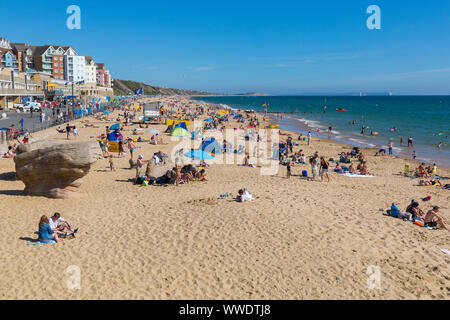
179, 132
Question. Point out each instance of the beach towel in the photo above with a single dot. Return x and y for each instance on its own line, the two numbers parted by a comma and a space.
357, 175
39, 242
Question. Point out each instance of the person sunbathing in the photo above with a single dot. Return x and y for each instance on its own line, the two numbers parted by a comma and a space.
414, 210
396, 213
432, 182
58, 224
351, 169
432, 219
244, 195
201, 175
46, 234
364, 170
10, 153
247, 161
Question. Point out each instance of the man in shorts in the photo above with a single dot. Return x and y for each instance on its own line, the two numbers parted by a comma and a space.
433, 220
58, 224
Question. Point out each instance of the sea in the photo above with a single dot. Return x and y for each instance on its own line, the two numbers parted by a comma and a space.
425, 118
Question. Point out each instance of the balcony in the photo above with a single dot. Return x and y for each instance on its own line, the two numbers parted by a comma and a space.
20, 92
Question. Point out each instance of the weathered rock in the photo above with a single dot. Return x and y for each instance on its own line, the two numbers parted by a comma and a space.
53, 169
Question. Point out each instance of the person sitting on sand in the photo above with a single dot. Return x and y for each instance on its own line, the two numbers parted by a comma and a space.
60, 130
46, 234
111, 163
244, 195
351, 169
10, 153
433, 220
58, 224
201, 175
247, 161
415, 211
364, 169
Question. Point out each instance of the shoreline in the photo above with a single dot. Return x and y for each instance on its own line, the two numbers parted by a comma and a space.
303, 124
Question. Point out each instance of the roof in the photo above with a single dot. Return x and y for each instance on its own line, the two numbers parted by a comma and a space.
3, 51
101, 66
89, 59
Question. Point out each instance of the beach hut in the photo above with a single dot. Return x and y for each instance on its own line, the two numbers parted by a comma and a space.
212, 146
179, 132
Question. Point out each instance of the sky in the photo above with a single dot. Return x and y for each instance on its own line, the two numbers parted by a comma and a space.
274, 47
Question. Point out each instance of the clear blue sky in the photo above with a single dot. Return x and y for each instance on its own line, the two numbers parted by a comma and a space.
276, 47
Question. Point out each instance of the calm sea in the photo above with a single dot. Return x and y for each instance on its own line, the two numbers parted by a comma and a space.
425, 118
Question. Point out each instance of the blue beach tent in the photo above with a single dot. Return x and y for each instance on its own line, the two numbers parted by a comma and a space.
212, 146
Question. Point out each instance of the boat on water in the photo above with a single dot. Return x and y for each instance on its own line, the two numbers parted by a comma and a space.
341, 109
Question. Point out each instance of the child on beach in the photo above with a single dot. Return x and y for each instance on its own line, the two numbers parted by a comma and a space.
111, 163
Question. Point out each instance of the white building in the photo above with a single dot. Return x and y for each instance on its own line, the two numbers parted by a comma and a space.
75, 68
90, 71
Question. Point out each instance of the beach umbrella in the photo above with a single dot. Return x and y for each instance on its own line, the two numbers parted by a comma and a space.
115, 126
154, 131
199, 155
179, 132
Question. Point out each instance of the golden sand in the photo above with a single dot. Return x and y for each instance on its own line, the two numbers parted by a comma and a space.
297, 240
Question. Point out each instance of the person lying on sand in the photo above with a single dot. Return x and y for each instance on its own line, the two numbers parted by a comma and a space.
396, 213
432, 182
433, 220
46, 234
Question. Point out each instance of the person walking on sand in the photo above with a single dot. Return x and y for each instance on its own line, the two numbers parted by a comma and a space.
414, 155
68, 131
439, 146
309, 138
324, 168
131, 147
288, 168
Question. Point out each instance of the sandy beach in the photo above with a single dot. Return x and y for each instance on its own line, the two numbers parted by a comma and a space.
299, 239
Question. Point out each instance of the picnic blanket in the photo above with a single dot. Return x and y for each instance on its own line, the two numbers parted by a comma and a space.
39, 242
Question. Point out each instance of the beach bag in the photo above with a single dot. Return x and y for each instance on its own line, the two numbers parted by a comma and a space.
419, 223
305, 173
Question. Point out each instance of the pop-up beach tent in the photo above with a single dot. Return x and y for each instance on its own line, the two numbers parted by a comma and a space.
182, 125
199, 155
197, 135
212, 146
179, 132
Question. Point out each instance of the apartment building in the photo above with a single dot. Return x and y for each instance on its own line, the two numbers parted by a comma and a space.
90, 71
75, 68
